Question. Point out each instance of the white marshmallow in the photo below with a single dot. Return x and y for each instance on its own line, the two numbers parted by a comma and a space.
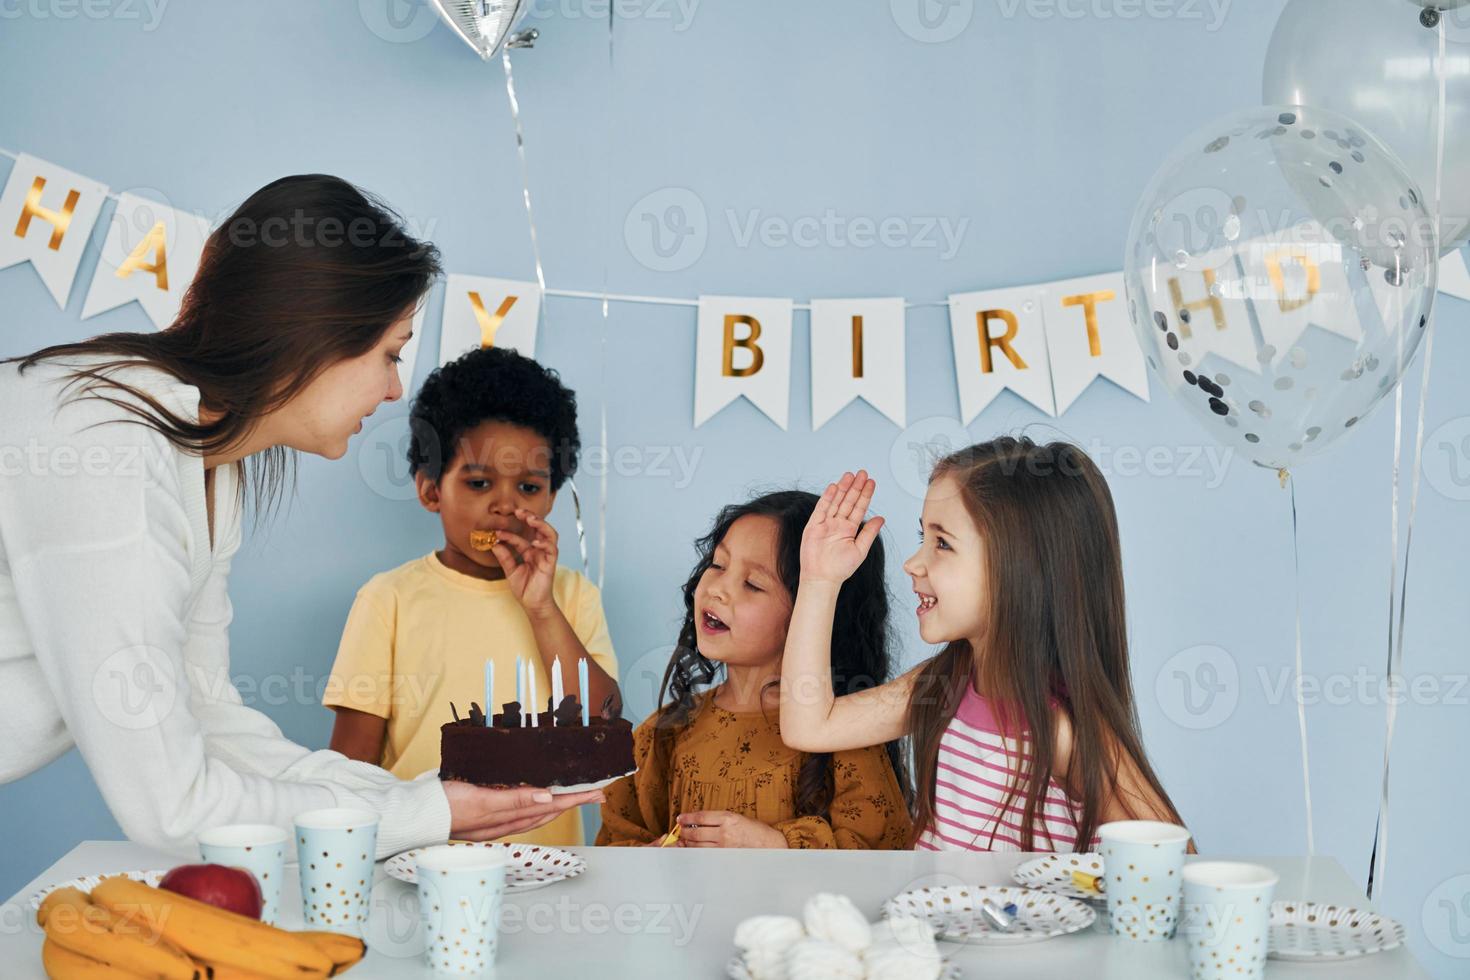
907, 931
768, 931
765, 940
835, 919
890, 961
818, 959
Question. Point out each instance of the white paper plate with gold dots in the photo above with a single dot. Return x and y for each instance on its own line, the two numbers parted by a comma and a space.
87, 882
1064, 874
1316, 932
527, 866
955, 913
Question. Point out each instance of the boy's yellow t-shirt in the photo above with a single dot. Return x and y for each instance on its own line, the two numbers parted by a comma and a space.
418, 637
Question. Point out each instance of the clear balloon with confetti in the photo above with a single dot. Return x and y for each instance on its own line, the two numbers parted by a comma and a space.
1280, 271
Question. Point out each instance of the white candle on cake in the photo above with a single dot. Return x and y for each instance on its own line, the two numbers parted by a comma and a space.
582, 689
558, 687
489, 691
535, 702
521, 673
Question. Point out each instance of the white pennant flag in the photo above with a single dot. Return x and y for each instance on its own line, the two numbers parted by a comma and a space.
151, 254
1290, 277
1249, 305
1088, 336
1012, 353
1194, 326
1454, 278
483, 312
742, 347
408, 357
857, 351
46, 217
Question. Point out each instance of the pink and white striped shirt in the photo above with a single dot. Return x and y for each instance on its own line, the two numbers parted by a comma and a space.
977, 759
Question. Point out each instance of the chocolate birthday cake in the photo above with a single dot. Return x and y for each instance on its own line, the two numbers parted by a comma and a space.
558, 750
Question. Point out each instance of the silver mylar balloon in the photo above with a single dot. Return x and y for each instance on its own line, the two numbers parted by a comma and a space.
1281, 318
486, 24
1374, 60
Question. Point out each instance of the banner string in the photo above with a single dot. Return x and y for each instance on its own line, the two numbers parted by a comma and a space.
601, 296
679, 301
16, 157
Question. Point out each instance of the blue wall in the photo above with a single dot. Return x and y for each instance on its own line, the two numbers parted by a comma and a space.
1038, 132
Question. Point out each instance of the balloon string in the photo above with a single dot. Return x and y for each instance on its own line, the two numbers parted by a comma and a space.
607, 230
515, 115
1380, 830
1378, 863
602, 480
1301, 702
581, 530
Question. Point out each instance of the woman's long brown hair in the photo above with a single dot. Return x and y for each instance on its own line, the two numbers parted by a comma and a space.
1056, 635
308, 271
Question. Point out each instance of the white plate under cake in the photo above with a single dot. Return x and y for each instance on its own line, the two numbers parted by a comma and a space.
527, 866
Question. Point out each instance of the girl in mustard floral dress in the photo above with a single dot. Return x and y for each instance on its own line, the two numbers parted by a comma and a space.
711, 759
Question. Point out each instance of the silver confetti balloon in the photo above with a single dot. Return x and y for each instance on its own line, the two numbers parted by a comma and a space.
1439, 6
1280, 270
1375, 60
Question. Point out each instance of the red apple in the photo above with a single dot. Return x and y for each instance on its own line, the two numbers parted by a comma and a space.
232, 889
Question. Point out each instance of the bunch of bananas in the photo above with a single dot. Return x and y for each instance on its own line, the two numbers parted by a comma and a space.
126, 930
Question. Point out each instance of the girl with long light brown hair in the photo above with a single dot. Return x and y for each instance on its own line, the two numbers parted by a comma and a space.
1024, 731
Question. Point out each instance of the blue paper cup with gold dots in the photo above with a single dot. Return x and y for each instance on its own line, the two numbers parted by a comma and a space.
259, 849
1143, 861
336, 848
460, 891
1227, 919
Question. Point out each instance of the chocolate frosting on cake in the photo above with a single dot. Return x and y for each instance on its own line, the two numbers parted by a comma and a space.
569, 713
558, 751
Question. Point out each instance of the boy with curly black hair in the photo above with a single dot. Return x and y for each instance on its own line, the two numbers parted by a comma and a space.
494, 437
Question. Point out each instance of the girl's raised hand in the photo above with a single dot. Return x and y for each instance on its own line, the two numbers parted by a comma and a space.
836, 540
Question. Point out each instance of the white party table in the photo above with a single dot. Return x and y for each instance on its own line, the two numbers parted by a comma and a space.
644, 912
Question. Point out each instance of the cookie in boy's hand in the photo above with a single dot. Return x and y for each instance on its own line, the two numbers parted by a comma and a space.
483, 540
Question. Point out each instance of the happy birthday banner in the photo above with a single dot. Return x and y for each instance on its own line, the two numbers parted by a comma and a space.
1046, 343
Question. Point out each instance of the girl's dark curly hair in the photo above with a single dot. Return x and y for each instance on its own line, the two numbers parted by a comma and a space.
860, 639
492, 384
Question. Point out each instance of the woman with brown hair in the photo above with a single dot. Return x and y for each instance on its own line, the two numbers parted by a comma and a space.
123, 468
